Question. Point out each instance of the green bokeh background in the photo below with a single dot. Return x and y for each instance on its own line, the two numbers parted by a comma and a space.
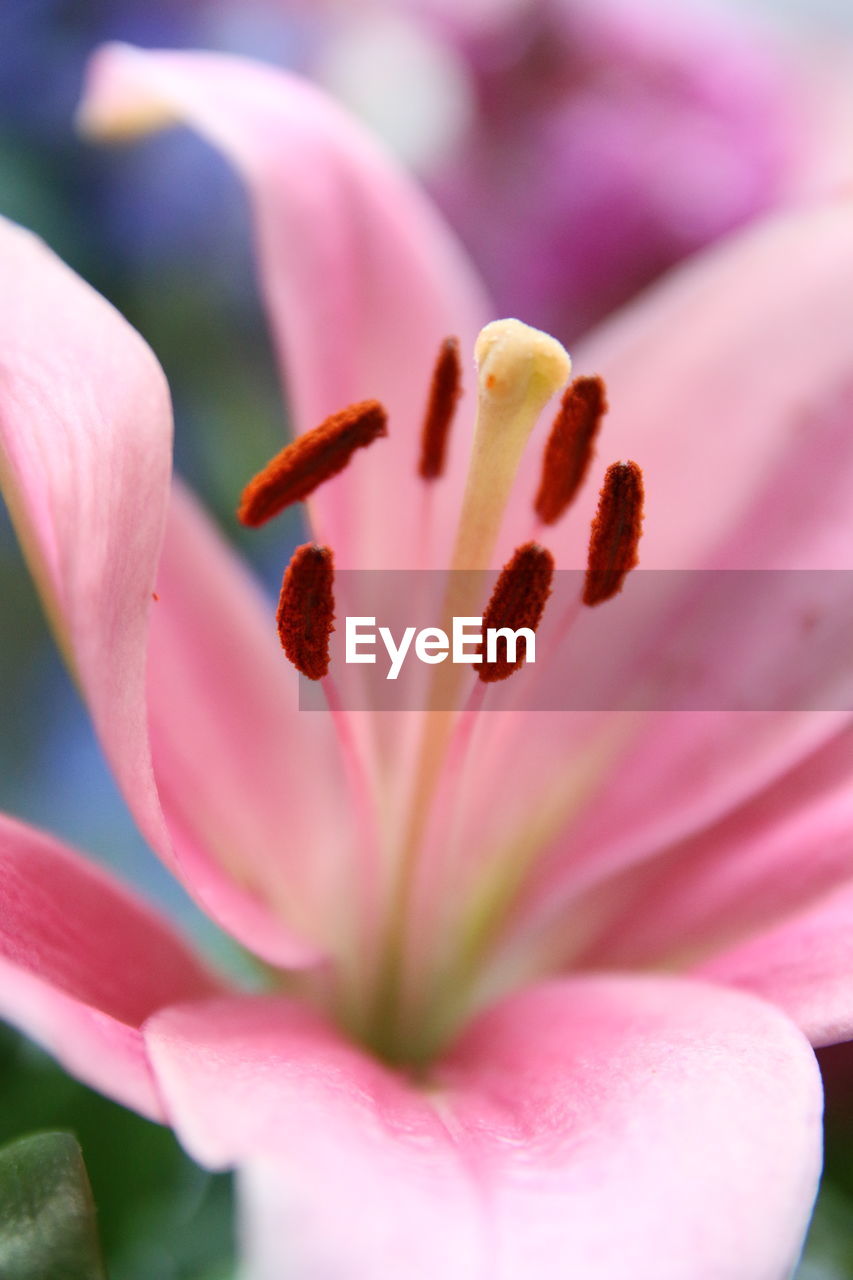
160, 1217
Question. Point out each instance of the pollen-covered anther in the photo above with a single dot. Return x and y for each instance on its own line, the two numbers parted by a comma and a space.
570, 447
310, 459
615, 533
445, 390
306, 609
518, 601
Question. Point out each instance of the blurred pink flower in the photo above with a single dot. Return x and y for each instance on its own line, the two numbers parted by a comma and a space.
619, 1077
598, 141
621, 137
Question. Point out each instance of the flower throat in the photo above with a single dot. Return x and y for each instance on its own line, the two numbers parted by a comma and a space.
519, 371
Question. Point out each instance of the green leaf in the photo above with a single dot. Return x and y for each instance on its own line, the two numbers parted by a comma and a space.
47, 1215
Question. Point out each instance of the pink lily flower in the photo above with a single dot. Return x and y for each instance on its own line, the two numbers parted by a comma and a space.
619, 1078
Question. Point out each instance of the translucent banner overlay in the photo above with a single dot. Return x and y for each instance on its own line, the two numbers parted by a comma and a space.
706, 640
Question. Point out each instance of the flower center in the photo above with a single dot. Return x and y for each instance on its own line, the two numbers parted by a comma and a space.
395, 1003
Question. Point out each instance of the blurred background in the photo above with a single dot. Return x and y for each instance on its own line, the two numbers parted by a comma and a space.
579, 147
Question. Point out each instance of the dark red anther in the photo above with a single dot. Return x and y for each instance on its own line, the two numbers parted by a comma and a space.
518, 600
310, 459
615, 533
570, 446
306, 610
445, 390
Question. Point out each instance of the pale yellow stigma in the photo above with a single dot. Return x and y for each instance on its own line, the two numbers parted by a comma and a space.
519, 365
519, 370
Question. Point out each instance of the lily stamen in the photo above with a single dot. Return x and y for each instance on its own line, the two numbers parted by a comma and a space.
445, 390
306, 610
310, 459
615, 533
519, 370
517, 602
570, 448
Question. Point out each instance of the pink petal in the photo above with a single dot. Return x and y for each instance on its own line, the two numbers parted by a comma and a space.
84, 963
601, 1127
361, 279
85, 457
788, 846
682, 774
804, 964
252, 787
